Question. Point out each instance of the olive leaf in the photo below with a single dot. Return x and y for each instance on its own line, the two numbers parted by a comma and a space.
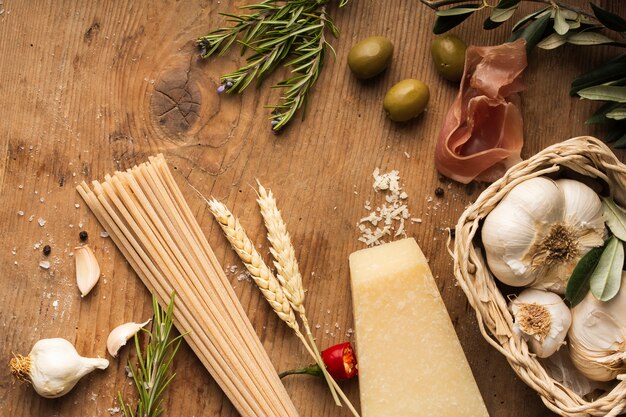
452, 17
608, 19
617, 114
527, 18
458, 10
615, 217
502, 15
578, 283
609, 71
600, 116
553, 41
590, 38
498, 16
507, 4
533, 33
489, 24
606, 278
560, 24
605, 93
620, 141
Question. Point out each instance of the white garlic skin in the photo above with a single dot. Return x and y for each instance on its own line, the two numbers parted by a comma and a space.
56, 367
560, 315
597, 338
120, 335
526, 216
87, 269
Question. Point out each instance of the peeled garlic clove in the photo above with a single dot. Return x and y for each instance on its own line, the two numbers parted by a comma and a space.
597, 338
54, 367
542, 319
87, 269
120, 335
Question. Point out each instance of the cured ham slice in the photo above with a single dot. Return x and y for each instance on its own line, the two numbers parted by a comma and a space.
482, 134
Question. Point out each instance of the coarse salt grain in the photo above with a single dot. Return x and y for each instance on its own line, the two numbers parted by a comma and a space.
41, 221
391, 216
44, 264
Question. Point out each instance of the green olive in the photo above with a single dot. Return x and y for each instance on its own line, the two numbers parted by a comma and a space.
448, 54
370, 57
406, 100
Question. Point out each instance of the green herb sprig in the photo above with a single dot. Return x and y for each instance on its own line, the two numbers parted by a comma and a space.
600, 270
152, 376
290, 33
553, 25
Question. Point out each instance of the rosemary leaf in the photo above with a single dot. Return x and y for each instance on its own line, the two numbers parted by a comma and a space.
152, 376
606, 279
291, 34
578, 283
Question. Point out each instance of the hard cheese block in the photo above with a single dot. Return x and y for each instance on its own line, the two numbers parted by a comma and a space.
410, 360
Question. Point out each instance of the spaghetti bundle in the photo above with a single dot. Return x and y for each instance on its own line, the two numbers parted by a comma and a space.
145, 213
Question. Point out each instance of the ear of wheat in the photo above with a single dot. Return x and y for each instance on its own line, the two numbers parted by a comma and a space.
290, 277
283, 291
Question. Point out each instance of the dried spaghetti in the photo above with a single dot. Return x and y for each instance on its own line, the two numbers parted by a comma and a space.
145, 213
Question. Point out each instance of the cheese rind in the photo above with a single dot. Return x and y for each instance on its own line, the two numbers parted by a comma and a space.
411, 362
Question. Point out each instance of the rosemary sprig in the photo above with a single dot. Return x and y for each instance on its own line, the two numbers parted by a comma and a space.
277, 32
553, 25
152, 375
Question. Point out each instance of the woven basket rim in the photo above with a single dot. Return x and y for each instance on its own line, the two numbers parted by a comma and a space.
584, 155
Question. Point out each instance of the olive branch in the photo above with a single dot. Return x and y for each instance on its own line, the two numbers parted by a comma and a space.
553, 25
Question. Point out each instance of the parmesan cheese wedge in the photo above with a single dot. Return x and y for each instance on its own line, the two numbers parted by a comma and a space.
411, 362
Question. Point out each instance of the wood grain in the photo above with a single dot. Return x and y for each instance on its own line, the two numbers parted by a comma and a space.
87, 88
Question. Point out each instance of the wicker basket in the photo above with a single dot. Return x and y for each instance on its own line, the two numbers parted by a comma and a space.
585, 156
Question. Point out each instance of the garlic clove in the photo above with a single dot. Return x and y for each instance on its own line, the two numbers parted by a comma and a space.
597, 338
120, 335
583, 207
87, 269
53, 367
542, 319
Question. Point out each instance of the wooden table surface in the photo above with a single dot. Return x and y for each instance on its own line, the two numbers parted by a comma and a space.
87, 88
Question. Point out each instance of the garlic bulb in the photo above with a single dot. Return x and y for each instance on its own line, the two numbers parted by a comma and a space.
120, 335
597, 338
539, 231
542, 319
53, 367
87, 269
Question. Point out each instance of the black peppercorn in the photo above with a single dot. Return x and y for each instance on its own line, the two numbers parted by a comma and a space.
46, 250
439, 192
83, 235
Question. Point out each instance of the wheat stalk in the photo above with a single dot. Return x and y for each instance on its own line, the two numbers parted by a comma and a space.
259, 271
281, 297
288, 274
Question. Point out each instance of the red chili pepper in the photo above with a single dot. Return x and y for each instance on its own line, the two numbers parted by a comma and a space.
340, 363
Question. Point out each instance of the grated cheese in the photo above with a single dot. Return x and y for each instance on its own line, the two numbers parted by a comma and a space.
388, 219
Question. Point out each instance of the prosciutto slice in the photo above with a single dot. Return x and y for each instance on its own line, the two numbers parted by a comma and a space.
482, 134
